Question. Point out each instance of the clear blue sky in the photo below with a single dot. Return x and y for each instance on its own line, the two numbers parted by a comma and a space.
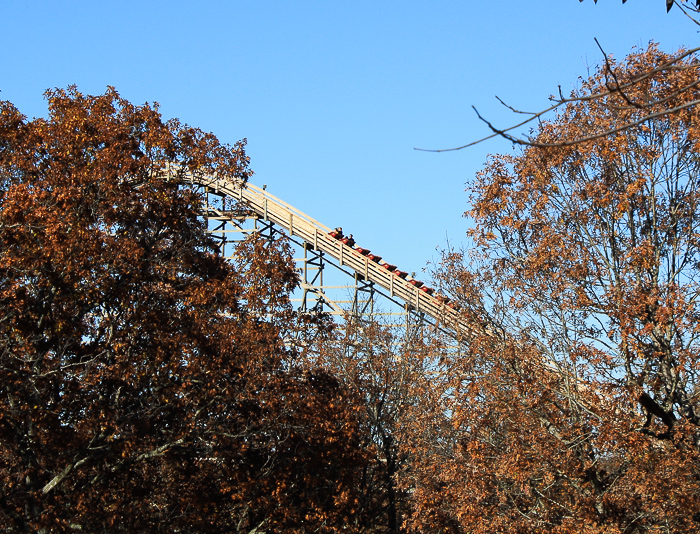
334, 96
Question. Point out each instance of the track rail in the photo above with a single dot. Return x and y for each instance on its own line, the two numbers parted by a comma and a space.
316, 234
296, 223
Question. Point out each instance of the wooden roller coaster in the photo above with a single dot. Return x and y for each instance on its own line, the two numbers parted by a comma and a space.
255, 201
252, 200
459, 325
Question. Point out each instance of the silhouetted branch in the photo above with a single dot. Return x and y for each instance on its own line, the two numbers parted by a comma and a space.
616, 88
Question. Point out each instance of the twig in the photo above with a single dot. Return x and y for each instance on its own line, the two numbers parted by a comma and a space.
618, 89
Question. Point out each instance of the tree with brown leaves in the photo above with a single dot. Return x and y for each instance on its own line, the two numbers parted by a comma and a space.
578, 408
145, 385
391, 368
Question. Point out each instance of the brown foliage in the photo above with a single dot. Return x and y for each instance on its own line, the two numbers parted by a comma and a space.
579, 412
145, 384
392, 369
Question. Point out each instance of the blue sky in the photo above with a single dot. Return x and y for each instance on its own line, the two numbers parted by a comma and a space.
334, 96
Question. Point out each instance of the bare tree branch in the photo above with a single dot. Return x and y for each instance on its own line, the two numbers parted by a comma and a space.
616, 88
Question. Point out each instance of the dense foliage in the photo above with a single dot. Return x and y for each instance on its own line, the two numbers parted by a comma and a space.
144, 382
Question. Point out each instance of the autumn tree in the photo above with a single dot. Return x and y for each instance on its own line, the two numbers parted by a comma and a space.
391, 367
576, 406
145, 383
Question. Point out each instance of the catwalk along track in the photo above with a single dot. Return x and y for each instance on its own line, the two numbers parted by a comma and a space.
318, 237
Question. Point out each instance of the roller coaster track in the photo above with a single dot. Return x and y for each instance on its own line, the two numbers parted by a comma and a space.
317, 237
460, 326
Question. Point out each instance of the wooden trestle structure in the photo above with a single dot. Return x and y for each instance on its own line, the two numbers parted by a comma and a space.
227, 202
